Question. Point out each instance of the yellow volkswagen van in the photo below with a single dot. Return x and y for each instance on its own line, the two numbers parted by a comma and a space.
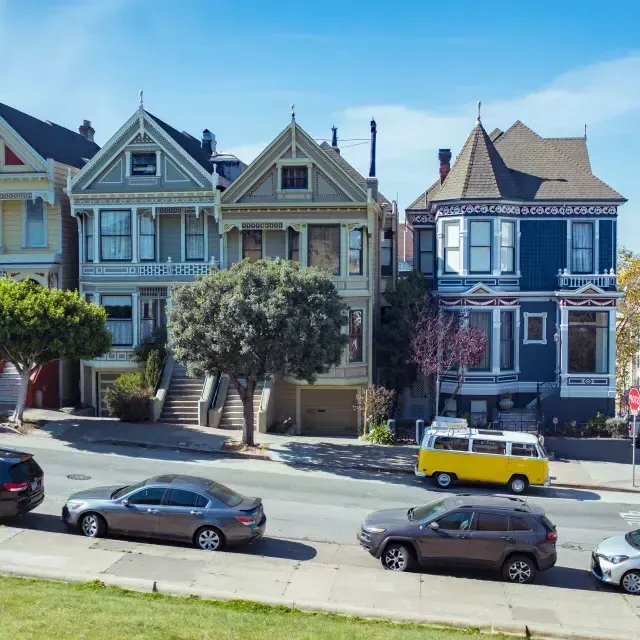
450, 451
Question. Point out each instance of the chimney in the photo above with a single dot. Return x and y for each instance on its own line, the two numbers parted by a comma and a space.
444, 155
334, 139
87, 130
207, 142
372, 163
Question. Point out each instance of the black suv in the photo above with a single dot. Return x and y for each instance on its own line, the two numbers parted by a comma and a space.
21, 483
505, 534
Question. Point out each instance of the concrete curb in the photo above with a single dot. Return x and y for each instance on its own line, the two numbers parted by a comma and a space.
455, 622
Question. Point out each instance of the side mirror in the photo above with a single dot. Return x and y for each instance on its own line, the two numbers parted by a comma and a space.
434, 525
125, 503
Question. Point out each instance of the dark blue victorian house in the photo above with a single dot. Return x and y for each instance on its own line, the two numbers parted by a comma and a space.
521, 236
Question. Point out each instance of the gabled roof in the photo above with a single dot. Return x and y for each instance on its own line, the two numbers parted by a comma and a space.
479, 172
48, 139
355, 175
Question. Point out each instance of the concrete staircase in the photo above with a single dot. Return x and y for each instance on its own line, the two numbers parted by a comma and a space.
9, 385
232, 409
519, 420
181, 405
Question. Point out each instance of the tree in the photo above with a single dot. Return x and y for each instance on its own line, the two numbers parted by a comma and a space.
394, 337
40, 325
374, 403
256, 319
442, 342
627, 318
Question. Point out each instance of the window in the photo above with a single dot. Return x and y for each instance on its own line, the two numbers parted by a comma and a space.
147, 238
355, 252
148, 317
324, 248
456, 521
520, 524
508, 247
523, 450
88, 238
143, 164
355, 335
492, 522
181, 498
252, 245
386, 253
425, 251
295, 178
451, 444
582, 247
451, 247
194, 237
35, 234
480, 247
224, 494
588, 342
115, 235
152, 496
535, 328
494, 447
88, 297
119, 319
481, 320
507, 342
294, 245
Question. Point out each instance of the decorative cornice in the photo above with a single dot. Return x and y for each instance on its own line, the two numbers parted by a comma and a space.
47, 196
145, 199
462, 301
518, 210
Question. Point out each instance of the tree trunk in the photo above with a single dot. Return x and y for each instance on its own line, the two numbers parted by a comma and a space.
438, 385
246, 395
22, 396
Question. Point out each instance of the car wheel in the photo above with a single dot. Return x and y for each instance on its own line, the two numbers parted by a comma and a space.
631, 582
93, 526
209, 539
519, 569
397, 557
443, 480
518, 484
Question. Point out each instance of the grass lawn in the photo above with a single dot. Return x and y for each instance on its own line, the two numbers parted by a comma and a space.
36, 609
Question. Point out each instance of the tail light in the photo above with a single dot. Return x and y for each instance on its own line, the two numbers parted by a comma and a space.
246, 520
15, 486
552, 535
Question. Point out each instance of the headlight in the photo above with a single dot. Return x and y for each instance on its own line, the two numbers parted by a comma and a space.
74, 504
616, 559
369, 529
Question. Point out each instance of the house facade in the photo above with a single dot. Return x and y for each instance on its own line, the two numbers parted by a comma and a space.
520, 236
38, 239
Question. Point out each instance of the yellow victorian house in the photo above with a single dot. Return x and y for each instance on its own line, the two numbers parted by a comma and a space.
38, 236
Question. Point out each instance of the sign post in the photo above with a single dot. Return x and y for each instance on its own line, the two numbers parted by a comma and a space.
634, 405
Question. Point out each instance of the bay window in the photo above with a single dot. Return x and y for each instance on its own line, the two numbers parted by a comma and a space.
115, 235
119, 319
588, 342
452, 247
252, 245
35, 227
324, 247
582, 247
508, 247
506, 340
355, 335
194, 237
89, 222
425, 251
481, 320
355, 252
480, 246
147, 237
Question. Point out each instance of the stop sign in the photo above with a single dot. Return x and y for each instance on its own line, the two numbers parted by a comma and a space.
634, 400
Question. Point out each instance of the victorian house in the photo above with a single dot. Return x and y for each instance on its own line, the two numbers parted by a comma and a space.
520, 236
38, 239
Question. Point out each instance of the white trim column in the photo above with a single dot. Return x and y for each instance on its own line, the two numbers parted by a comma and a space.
304, 245
439, 242
496, 246
564, 340
516, 249
96, 235
183, 240
569, 261
135, 235
158, 171
611, 368
221, 257
516, 338
127, 164
495, 340
344, 250
205, 222
596, 246
135, 316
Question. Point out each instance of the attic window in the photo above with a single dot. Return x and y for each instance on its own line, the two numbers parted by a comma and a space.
295, 178
143, 164
11, 159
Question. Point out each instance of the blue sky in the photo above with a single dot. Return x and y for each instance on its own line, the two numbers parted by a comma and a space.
417, 67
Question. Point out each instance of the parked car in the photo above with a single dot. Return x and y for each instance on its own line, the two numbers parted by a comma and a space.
616, 561
173, 507
499, 533
21, 483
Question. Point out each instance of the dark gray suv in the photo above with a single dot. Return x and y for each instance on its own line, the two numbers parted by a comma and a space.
504, 534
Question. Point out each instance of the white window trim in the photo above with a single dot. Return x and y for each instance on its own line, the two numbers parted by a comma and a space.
294, 162
492, 243
346, 361
528, 315
596, 246
461, 252
45, 235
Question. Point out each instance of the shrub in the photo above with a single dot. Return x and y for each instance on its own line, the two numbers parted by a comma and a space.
152, 368
128, 398
380, 434
283, 427
155, 341
596, 427
616, 427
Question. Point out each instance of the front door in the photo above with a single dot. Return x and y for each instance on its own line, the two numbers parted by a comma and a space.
139, 516
182, 514
450, 541
491, 538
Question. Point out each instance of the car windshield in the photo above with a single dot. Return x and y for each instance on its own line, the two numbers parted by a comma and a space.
427, 510
633, 538
224, 494
118, 493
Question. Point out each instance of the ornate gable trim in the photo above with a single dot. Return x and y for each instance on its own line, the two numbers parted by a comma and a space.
553, 211
19, 145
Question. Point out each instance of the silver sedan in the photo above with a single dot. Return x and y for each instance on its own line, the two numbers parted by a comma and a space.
616, 561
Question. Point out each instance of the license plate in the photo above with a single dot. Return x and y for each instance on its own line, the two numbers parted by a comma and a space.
34, 485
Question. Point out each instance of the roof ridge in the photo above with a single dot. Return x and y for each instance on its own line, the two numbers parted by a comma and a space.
474, 145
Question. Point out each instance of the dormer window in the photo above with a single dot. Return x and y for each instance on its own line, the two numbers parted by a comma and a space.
143, 164
295, 177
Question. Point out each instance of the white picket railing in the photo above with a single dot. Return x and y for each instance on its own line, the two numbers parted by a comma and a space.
604, 280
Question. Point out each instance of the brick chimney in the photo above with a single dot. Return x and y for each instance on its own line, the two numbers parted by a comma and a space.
87, 130
444, 155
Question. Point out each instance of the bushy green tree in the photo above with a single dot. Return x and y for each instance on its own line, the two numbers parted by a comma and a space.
128, 398
152, 368
257, 319
40, 325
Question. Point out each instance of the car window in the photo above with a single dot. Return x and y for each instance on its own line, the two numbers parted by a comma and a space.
128, 489
520, 524
524, 450
456, 521
492, 521
633, 538
224, 494
151, 496
25, 471
451, 444
427, 511
495, 447
182, 498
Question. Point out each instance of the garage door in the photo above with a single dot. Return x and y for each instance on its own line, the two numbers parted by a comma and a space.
329, 412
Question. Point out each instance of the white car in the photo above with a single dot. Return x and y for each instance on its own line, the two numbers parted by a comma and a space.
616, 561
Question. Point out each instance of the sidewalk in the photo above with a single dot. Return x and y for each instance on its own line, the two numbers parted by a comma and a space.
317, 576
